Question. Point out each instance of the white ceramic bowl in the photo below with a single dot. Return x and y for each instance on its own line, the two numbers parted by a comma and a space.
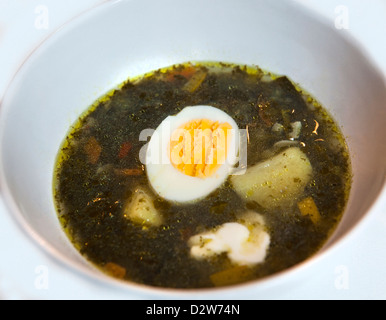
120, 39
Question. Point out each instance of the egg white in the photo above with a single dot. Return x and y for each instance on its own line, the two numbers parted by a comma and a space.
167, 181
245, 242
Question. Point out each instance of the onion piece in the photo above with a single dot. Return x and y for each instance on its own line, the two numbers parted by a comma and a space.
296, 129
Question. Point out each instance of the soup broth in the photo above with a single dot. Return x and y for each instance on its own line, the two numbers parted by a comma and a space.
115, 217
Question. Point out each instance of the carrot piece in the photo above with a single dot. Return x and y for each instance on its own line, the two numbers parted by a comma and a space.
265, 118
195, 81
124, 150
93, 150
187, 73
115, 270
231, 276
308, 207
128, 172
263, 105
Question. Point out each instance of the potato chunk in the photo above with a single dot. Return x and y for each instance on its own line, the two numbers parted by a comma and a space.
275, 182
140, 209
232, 276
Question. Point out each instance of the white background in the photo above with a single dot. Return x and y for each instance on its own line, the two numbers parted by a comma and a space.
361, 259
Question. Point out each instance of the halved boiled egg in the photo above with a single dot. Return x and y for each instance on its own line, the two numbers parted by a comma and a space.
192, 153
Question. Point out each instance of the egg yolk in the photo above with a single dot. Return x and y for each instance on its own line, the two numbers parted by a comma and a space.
199, 147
